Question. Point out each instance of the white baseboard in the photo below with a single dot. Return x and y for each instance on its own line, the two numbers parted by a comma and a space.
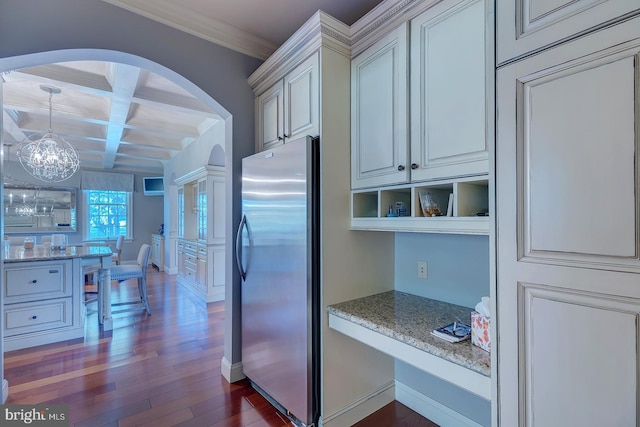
360, 408
5, 391
431, 409
231, 372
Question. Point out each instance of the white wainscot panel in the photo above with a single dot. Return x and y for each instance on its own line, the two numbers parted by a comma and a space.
580, 358
578, 163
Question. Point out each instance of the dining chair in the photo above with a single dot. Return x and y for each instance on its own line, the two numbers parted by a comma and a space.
138, 271
91, 270
115, 258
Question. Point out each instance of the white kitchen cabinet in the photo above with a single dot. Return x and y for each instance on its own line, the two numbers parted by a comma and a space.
41, 303
529, 26
567, 270
289, 109
449, 91
203, 233
201, 269
379, 131
157, 251
202, 208
451, 99
180, 211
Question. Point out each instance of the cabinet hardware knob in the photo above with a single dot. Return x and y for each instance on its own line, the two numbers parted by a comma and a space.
34, 317
286, 136
280, 138
34, 281
414, 166
400, 168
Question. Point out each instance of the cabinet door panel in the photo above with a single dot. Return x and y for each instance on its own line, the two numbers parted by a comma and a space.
528, 25
269, 117
448, 92
301, 94
566, 339
567, 235
379, 113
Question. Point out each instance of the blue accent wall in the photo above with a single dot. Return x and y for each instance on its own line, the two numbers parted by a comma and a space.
458, 273
457, 266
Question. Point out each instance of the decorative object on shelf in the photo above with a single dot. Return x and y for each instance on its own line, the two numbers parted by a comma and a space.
428, 204
480, 323
48, 157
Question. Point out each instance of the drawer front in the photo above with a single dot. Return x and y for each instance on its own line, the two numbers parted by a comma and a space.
37, 282
37, 316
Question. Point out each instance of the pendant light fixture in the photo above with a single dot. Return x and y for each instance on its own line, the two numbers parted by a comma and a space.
48, 157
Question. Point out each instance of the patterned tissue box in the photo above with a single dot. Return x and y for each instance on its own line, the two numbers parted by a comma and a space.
480, 331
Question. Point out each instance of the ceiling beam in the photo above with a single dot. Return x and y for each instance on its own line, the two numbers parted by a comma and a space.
124, 80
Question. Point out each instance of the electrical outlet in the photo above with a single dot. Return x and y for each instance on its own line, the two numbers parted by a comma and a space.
422, 269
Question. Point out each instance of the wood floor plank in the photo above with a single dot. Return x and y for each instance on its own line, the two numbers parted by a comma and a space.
152, 371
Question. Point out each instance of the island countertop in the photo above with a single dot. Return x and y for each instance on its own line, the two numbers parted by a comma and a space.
410, 320
42, 253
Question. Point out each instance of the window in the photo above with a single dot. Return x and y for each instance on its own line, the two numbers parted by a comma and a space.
108, 214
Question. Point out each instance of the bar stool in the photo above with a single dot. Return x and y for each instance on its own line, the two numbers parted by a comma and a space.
91, 270
115, 258
138, 271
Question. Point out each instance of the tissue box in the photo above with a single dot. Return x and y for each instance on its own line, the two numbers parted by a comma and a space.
480, 331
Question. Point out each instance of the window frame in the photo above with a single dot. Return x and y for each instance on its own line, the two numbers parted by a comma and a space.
87, 220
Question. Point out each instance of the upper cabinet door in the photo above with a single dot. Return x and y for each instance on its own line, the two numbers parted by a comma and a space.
269, 117
379, 137
449, 91
525, 26
301, 100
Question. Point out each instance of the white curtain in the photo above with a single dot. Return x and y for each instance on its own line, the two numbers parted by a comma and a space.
107, 181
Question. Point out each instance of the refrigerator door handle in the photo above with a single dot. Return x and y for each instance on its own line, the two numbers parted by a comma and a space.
243, 224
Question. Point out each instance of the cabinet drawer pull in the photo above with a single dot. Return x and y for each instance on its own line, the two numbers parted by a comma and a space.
34, 317
34, 281
280, 138
414, 166
400, 168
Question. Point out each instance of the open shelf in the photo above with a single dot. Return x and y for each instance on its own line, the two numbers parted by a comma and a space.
377, 209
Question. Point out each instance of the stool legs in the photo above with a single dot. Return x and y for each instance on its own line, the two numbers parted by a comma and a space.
142, 288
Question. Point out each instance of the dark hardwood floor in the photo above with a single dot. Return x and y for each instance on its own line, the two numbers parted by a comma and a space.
158, 370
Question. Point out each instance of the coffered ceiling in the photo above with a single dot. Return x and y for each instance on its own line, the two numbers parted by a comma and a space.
124, 117
117, 116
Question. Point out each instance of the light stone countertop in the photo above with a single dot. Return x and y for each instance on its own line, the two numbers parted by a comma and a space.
43, 253
410, 320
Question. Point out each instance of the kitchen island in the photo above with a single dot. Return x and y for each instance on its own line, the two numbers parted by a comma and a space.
43, 293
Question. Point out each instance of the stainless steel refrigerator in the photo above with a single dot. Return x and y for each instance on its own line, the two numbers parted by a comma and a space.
277, 249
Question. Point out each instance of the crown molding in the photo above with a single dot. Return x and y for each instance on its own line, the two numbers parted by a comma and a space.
385, 17
321, 30
172, 14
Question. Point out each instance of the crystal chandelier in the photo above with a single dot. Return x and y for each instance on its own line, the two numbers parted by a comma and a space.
26, 210
48, 157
